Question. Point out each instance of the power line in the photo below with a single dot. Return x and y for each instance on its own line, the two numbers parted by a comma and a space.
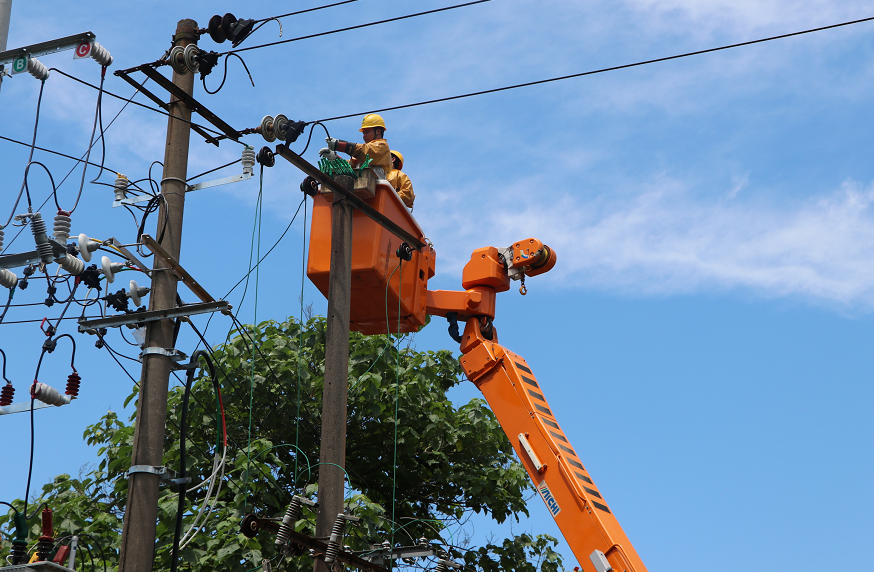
357, 27
602, 70
53, 152
307, 10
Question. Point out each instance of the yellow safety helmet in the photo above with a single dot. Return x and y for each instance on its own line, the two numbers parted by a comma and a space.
400, 158
372, 120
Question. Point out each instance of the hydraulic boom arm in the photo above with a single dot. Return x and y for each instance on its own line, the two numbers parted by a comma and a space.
517, 399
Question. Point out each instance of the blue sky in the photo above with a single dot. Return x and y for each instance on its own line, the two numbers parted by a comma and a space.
703, 338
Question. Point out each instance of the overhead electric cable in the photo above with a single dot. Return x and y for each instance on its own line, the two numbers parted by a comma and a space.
602, 70
97, 116
24, 188
102, 133
307, 10
348, 28
52, 152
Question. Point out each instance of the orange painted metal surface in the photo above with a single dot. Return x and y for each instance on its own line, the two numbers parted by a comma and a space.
378, 281
566, 487
505, 379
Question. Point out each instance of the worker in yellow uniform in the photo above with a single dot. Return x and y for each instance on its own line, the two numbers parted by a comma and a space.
375, 145
400, 181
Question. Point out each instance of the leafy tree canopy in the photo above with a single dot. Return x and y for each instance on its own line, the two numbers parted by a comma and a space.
408, 447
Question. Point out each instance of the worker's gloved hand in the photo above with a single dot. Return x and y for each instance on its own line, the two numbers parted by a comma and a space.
328, 154
332, 143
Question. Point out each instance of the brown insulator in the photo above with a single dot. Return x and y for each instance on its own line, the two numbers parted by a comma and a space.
6, 395
73, 382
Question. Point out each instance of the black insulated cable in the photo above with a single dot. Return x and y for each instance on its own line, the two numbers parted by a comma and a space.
602, 70
97, 117
183, 434
348, 28
24, 188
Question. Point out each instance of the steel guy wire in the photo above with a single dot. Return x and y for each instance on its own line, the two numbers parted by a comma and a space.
348, 28
602, 70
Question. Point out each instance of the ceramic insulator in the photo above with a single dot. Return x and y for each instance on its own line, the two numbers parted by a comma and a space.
38, 227
121, 185
73, 382
72, 265
37, 69
248, 160
61, 229
101, 55
6, 395
48, 394
8, 279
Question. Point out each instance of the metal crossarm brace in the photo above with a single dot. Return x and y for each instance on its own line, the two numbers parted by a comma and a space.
88, 326
46, 48
356, 202
162, 104
180, 272
192, 103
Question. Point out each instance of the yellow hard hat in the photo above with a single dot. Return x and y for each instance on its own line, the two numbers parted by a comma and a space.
372, 120
400, 158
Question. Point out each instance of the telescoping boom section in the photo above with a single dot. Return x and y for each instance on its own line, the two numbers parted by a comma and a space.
389, 293
578, 507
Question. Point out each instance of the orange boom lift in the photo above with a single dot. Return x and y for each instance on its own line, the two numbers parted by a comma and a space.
381, 284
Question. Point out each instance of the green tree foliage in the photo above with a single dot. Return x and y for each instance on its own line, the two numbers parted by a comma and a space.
435, 465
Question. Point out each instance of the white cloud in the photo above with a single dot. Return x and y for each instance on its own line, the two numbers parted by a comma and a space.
661, 240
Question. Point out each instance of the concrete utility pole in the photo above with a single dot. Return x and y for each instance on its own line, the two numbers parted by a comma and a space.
138, 534
5, 14
333, 446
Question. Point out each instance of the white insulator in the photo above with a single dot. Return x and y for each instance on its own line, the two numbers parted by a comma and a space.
8, 279
101, 55
248, 160
121, 185
137, 292
61, 228
48, 394
110, 268
37, 69
87, 246
72, 265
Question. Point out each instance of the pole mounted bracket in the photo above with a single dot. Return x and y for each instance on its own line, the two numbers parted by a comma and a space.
172, 353
167, 475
